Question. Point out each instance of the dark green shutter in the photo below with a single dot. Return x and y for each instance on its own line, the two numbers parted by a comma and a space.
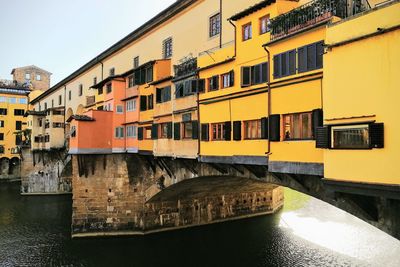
277, 66
237, 130
201, 85
311, 57
140, 133
158, 95
302, 59
264, 128
143, 103
154, 131
177, 131
193, 86
317, 120
169, 130
274, 128
322, 137
231, 78
205, 132
320, 55
284, 64
264, 72
292, 62
228, 131
377, 135
246, 76
195, 130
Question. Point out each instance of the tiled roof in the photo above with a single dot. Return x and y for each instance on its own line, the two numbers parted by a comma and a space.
251, 9
80, 118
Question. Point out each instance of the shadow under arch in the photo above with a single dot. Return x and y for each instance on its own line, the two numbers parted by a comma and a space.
201, 187
14, 164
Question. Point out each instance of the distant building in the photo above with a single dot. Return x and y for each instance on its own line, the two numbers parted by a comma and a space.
35, 77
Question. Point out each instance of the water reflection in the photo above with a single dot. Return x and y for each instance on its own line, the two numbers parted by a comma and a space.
307, 232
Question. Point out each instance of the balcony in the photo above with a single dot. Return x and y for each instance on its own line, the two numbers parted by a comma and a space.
187, 67
314, 13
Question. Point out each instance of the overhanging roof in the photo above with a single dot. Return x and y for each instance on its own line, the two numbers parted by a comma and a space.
251, 10
160, 18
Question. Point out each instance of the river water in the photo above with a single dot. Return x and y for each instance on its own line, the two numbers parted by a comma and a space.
35, 231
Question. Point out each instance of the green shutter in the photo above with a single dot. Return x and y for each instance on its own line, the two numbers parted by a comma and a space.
274, 128
195, 130
237, 130
228, 131
302, 59
322, 137
264, 128
169, 130
154, 131
246, 76
317, 120
277, 66
143, 103
140, 133
205, 132
377, 135
177, 131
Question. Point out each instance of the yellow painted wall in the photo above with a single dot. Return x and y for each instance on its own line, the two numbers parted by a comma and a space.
366, 83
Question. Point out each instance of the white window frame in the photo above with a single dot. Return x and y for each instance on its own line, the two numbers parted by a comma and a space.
119, 132
119, 109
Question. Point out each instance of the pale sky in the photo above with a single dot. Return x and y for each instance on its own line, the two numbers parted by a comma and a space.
62, 35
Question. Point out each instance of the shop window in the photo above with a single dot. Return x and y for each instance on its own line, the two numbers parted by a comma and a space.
298, 126
252, 129
247, 32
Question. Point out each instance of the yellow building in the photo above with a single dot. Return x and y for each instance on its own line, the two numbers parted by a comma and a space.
361, 133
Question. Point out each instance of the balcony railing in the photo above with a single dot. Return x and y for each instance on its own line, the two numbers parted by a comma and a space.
186, 68
13, 84
314, 12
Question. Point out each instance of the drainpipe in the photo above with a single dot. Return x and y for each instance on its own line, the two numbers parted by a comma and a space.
269, 98
234, 26
65, 107
220, 23
198, 117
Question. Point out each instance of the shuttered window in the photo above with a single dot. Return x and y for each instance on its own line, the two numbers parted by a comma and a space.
140, 133
150, 102
254, 75
201, 85
297, 126
163, 94
285, 64
228, 79
119, 132
237, 130
154, 131
205, 132
185, 88
252, 129
165, 131
274, 127
177, 131
213, 83
143, 103
217, 131
246, 76
310, 57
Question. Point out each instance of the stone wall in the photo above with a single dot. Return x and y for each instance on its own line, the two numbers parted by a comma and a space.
134, 195
45, 172
10, 169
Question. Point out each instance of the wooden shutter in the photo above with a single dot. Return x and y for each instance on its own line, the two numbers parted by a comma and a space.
256, 74
246, 76
201, 85
302, 59
158, 95
137, 77
205, 132
275, 128
284, 64
142, 76
195, 130
143, 103
154, 131
311, 57
140, 133
231, 78
277, 66
317, 120
237, 130
177, 131
377, 135
320, 55
193, 86
264, 72
264, 128
169, 130
322, 137
228, 131
292, 62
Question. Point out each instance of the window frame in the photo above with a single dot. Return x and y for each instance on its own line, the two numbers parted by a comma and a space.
131, 131
349, 127
214, 25
302, 138
146, 130
250, 33
258, 129
220, 132
119, 132
268, 25
167, 48
214, 83
119, 111
184, 133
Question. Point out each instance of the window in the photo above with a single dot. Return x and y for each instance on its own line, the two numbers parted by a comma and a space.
167, 48
215, 25
1, 124
38, 77
120, 109
247, 32
186, 88
1, 136
58, 112
217, 131
112, 72
285, 64
18, 125
18, 112
3, 111
3, 99
253, 75
187, 130
47, 138
149, 74
27, 76
227, 79
131, 131
100, 91
52, 103
351, 137
69, 95
131, 81
80, 89
45, 106
108, 88
310, 57
298, 126
12, 100
136, 62
119, 132
131, 105
150, 102
58, 125
1, 148
265, 24
147, 133
163, 94
94, 80
164, 129
22, 101
213, 83
73, 131
59, 99
252, 129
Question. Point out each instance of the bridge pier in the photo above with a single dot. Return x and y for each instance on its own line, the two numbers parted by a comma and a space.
136, 195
